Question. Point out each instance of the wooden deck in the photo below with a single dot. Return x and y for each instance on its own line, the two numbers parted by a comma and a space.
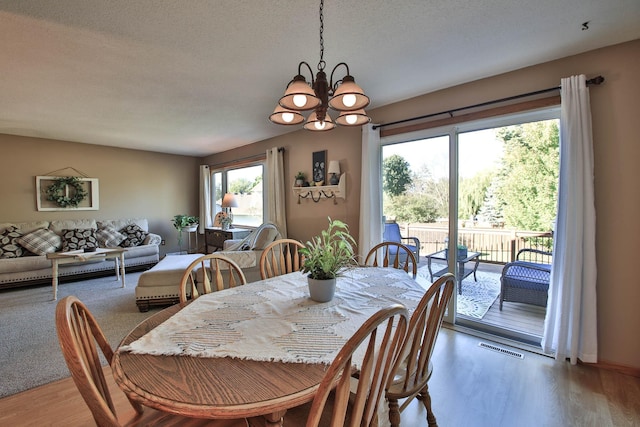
522, 322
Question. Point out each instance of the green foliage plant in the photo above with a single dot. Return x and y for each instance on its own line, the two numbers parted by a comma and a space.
183, 221
300, 175
327, 255
396, 175
57, 192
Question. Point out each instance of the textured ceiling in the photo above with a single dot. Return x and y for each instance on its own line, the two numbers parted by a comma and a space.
198, 77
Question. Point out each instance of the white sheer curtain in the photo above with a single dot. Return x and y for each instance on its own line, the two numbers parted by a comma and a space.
205, 199
570, 328
371, 191
275, 200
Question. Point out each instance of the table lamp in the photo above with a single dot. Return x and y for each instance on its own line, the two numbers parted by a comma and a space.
334, 170
229, 201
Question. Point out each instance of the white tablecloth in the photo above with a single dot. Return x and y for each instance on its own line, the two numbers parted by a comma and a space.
274, 319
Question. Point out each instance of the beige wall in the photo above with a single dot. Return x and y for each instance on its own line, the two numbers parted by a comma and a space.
307, 219
616, 132
137, 183
132, 183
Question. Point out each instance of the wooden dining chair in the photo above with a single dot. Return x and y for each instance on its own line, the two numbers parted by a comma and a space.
80, 337
392, 254
413, 367
336, 402
214, 272
281, 257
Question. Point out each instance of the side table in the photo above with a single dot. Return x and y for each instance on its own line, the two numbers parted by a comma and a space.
462, 273
215, 237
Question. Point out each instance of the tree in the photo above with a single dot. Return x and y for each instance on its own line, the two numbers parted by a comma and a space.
492, 207
473, 192
396, 175
528, 184
243, 185
412, 208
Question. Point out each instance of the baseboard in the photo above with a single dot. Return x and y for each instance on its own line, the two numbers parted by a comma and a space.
621, 369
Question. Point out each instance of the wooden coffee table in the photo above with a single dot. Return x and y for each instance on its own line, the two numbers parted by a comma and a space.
57, 258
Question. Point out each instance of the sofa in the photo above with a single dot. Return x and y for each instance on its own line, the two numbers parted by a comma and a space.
24, 245
159, 285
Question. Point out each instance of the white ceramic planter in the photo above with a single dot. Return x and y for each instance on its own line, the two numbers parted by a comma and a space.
321, 290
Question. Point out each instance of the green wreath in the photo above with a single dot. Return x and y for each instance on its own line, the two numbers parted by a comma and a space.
57, 192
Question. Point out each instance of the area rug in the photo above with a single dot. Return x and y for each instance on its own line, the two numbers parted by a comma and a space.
30, 354
477, 297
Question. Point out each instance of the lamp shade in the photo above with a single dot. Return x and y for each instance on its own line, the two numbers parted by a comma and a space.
299, 96
334, 167
353, 118
282, 116
316, 125
348, 96
229, 201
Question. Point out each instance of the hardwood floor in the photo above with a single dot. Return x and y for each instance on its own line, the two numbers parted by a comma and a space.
470, 386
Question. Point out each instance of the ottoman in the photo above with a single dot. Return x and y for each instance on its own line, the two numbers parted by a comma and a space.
158, 286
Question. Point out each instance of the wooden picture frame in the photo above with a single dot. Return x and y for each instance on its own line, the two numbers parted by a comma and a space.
90, 203
319, 166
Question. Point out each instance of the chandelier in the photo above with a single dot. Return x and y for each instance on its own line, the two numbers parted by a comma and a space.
346, 97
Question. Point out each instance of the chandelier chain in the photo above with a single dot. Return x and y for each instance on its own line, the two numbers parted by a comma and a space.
321, 64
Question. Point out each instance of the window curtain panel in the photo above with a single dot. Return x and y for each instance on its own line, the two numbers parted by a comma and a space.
570, 329
275, 197
205, 199
371, 192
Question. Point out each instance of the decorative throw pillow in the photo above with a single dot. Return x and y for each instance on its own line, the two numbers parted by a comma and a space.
9, 246
134, 236
264, 237
109, 237
41, 241
78, 238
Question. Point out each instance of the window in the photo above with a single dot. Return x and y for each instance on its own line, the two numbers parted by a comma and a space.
246, 184
491, 185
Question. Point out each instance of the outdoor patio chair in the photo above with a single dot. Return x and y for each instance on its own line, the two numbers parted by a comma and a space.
392, 234
525, 281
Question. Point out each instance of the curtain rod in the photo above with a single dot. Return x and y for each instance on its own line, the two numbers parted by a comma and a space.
594, 81
244, 159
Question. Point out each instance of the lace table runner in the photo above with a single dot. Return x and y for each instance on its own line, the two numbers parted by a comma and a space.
274, 319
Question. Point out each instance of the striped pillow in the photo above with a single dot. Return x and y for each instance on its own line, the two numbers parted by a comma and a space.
41, 241
109, 237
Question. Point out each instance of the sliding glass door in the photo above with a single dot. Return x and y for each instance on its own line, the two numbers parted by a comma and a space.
482, 190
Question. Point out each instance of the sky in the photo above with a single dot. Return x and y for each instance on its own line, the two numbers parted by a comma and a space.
479, 150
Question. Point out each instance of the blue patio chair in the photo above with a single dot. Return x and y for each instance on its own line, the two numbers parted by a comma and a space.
392, 234
525, 281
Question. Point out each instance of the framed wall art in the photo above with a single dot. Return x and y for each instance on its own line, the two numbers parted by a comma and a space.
63, 193
319, 166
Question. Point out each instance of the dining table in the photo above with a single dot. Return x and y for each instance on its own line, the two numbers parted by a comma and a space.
254, 350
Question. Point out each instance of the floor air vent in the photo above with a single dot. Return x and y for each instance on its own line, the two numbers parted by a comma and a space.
501, 350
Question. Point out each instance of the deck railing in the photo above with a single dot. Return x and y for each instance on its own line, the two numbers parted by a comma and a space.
496, 245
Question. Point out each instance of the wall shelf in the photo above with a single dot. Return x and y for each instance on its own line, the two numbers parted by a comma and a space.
317, 193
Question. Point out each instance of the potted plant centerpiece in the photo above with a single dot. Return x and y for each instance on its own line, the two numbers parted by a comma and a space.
325, 257
300, 179
185, 223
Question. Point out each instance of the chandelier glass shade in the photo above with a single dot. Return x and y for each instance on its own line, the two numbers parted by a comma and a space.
285, 117
344, 96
